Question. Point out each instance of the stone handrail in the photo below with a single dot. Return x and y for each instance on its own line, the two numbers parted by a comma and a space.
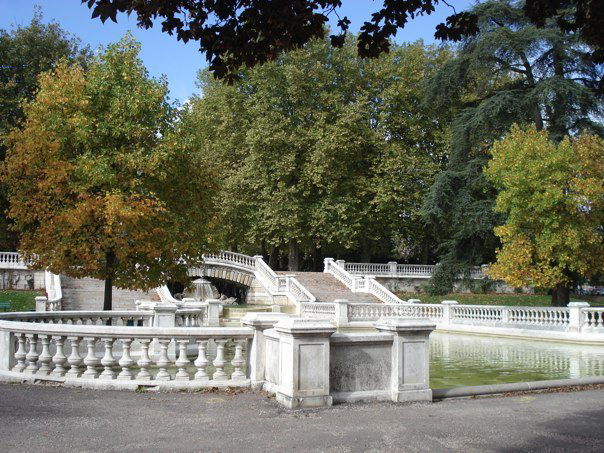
51, 357
234, 259
393, 269
88, 317
373, 312
318, 310
593, 318
54, 293
356, 283
533, 316
11, 260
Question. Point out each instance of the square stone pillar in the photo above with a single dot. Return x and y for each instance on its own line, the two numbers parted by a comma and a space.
7, 351
256, 356
304, 351
213, 313
575, 318
392, 265
164, 316
341, 314
447, 310
410, 372
41, 303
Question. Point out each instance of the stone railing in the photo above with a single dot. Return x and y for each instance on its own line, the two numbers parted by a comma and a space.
54, 293
361, 284
578, 320
114, 318
393, 269
294, 358
239, 260
42, 350
281, 285
318, 310
11, 260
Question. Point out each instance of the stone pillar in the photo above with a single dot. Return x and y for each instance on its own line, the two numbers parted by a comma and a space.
447, 310
276, 308
575, 320
341, 315
213, 312
164, 316
392, 267
326, 263
41, 303
341, 263
256, 356
410, 372
7, 351
304, 350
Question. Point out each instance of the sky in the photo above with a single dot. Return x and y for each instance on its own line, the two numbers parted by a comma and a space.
163, 54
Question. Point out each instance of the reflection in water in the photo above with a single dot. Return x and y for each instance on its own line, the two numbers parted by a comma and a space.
458, 360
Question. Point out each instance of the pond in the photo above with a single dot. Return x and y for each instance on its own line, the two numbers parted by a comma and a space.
459, 360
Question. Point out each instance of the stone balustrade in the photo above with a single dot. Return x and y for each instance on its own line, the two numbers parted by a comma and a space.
71, 352
11, 260
578, 321
114, 318
393, 269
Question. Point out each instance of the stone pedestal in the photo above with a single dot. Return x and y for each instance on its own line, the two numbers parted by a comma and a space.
257, 350
304, 354
164, 316
341, 312
447, 310
41, 303
575, 320
410, 372
213, 313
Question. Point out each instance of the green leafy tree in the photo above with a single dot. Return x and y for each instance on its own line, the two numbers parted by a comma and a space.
510, 72
100, 185
553, 197
25, 52
320, 150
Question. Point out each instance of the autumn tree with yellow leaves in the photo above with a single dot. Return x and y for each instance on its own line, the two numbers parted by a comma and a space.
553, 196
100, 185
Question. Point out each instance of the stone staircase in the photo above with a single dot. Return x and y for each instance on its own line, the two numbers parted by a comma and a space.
326, 288
87, 294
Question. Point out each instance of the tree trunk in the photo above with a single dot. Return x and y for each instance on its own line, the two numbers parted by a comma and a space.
317, 262
294, 256
109, 270
366, 251
560, 296
273, 257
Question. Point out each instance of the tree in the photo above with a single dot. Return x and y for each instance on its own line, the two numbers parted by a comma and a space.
510, 72
553, 197
100, 184
247, 32
319, 150
25, 52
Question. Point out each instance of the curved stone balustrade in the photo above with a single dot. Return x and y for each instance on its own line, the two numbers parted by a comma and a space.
117, 318
11, 260
144, 355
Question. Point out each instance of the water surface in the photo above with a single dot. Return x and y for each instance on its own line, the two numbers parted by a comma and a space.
460, 359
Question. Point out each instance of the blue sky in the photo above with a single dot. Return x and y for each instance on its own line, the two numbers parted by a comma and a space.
163, 54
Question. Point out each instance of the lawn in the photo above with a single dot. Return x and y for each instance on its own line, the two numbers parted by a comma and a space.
528, 300
20, 300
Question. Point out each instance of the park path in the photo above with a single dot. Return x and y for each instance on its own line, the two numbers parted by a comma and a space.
40, 418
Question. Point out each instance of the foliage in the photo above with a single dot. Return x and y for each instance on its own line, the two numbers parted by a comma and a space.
510, 72
553, 196
320, 150
100, 183
25, 52
20, 300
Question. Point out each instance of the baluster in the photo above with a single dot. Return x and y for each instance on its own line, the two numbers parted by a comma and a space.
163, 362
237, 362
108, 361
59, 358
74, 359
219, 362
126, 361
45, 358
183, 362
91, 360
20, 354
32, 353
144, 362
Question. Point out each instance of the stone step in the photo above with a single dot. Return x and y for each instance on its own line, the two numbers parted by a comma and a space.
326, 288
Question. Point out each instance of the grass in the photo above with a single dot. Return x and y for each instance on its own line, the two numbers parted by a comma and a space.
527, 300
20, 300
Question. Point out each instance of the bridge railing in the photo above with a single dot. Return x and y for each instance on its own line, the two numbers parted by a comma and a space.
231, 258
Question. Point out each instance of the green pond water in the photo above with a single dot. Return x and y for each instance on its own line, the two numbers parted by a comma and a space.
459, 360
